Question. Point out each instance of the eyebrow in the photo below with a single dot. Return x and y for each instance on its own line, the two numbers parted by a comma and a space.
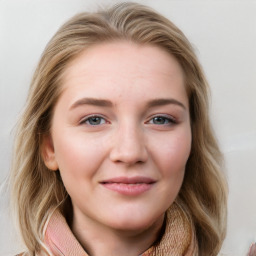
162, 102
92, 101
108, 103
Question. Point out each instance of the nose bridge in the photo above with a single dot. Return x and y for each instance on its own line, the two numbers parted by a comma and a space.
129, 143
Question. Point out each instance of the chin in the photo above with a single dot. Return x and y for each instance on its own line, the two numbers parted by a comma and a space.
135, 223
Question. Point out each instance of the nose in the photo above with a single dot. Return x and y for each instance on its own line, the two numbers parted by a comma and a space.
129, 146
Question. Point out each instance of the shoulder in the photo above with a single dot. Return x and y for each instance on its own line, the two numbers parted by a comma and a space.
41, 253
25, 254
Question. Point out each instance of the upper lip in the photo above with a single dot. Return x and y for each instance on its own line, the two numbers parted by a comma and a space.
129, 180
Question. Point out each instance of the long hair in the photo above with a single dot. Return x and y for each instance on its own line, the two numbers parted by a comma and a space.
36, 190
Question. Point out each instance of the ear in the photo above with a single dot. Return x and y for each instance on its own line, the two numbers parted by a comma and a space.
48, 153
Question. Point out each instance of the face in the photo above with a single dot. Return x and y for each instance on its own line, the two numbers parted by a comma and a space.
121, 134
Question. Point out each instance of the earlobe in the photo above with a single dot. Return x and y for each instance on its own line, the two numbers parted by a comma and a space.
48, 153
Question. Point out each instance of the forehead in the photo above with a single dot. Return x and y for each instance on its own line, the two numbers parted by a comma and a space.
123, 66
122, 54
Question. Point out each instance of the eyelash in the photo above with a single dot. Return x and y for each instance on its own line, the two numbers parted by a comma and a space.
88, 119
167, 120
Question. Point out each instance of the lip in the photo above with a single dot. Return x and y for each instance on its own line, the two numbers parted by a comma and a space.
130, 186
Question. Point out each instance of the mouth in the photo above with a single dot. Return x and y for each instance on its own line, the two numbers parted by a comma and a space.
130, 186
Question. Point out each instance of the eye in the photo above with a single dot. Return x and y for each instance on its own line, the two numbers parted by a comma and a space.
162, 120
93, 120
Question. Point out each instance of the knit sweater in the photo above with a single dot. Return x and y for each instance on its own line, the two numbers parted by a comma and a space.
178, 239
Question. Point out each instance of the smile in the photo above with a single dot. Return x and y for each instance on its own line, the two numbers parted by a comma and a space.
129, 186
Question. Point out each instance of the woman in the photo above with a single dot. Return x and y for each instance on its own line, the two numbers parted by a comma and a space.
114, 153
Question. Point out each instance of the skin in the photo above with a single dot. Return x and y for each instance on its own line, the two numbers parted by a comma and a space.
128, 136
252, 251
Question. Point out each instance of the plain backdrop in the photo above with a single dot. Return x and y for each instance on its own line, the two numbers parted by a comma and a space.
223, 34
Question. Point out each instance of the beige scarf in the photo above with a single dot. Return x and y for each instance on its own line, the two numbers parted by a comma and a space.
178, 239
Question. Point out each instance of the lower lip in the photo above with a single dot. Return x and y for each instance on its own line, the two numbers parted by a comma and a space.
128, 189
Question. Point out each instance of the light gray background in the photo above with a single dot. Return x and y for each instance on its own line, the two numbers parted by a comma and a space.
224, 36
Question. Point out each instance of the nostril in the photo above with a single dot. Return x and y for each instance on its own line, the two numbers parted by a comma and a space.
128, 156
128, 147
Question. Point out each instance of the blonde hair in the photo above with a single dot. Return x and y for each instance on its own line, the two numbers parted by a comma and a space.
36, 191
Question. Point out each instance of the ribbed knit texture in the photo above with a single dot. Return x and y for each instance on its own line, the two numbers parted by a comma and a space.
178, 239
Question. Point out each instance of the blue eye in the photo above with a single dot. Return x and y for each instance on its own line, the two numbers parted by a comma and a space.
162, 120
94, 120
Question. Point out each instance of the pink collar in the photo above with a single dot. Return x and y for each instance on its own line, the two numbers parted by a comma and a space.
60, 239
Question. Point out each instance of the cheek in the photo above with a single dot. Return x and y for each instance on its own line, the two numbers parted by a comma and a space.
77, 158
172, 154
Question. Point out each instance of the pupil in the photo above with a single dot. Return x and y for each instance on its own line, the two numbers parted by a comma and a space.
159, 120
95, 120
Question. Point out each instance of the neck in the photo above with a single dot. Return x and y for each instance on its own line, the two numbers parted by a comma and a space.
102, 240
